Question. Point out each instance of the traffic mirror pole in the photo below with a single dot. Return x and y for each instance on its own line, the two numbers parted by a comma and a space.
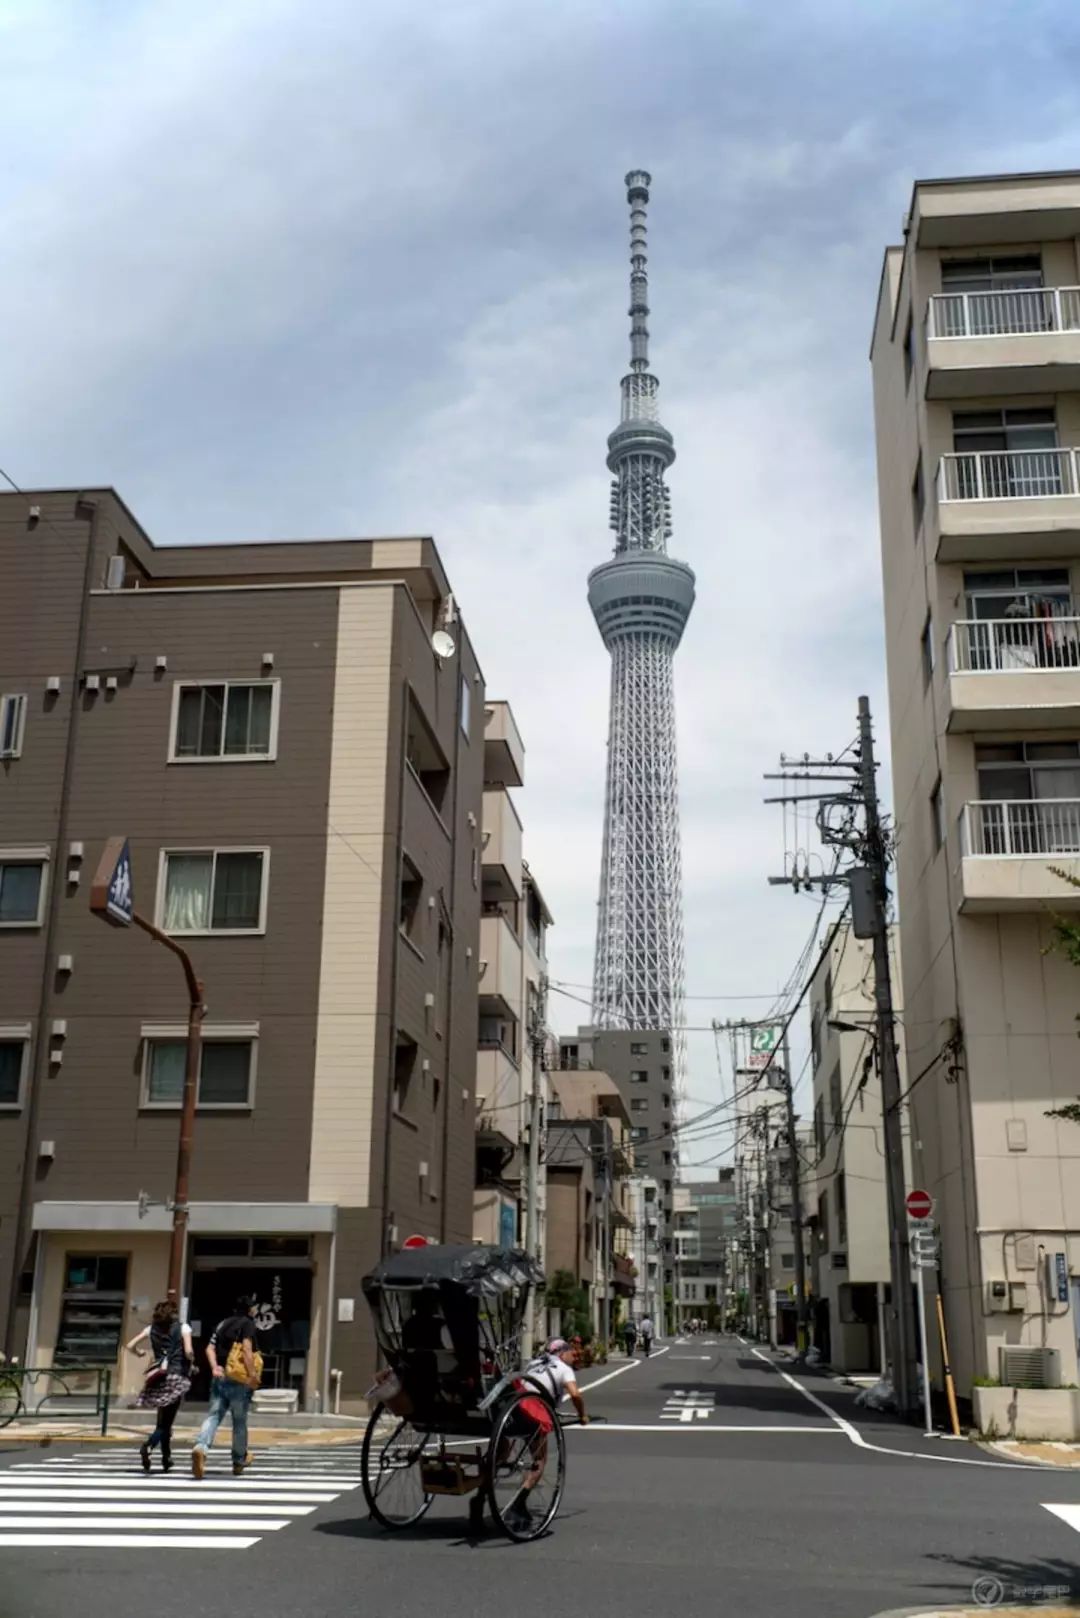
111, 897
927, 1414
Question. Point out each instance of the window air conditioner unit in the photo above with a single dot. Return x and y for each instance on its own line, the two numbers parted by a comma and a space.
1023, 1367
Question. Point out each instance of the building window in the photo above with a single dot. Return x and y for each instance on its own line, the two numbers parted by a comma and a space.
787, 1261
14, 1060
12, 724
230, 719
815, 1036
826, 991
665, 1074
819, 1127
841, 1209
667, 1157
665, 1046
92, 1308
999, 454
22, 887
226, 1068
823, 1221
425, 757
476, 868
639, 1076
918, 496
441, 946
404, 1063
466, 707
639, 1134
836, 1103
1017, 593
639, 1104
909, 349
926, 645
639, 1048
409, 896
214, 890
1015, 272
937, 816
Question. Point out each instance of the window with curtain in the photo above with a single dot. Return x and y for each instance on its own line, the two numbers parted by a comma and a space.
213, 891
226, 720
224, 1072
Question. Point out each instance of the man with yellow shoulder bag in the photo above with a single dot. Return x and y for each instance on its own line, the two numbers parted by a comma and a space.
236, 1368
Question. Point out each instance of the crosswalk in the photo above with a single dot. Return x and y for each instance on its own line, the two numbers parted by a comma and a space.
104, 1500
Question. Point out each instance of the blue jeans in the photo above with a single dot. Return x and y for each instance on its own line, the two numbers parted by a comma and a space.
227, 1398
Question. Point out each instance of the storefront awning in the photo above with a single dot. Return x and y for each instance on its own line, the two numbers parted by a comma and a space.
205, 1218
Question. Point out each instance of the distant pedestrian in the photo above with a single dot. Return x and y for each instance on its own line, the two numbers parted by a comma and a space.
630, 1336
645, 1332
236, 1368
168, 1378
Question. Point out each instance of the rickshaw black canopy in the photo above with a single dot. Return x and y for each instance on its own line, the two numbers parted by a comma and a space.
482, 1272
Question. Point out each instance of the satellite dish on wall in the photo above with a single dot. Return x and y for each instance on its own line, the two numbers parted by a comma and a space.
443, 644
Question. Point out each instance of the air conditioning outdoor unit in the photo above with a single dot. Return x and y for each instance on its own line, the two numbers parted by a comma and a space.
1023, 1367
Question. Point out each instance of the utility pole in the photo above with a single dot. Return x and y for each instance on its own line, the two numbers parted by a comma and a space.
538, 1039
849, 818
904, 1379
802, 1333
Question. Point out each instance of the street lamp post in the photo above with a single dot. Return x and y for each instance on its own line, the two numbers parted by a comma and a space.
112, 898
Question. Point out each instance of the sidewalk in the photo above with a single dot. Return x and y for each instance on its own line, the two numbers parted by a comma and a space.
1047, 1451
128, 1426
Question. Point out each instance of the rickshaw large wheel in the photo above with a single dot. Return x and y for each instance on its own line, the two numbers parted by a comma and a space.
524, 1457
390, 1469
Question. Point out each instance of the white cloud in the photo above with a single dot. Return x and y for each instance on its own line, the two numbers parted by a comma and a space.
278, 269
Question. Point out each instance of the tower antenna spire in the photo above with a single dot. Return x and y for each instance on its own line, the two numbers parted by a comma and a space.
637, 195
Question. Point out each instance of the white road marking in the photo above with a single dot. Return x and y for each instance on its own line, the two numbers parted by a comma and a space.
710, 1427
691, 1356
103, 1500
205, 1525
629, 1366
160, 1508
853, 1434
126, 1542
1068, 1514
102, 1491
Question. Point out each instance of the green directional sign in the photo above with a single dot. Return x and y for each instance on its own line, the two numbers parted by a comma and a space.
764, 1043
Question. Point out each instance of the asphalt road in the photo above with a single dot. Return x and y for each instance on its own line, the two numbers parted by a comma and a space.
716, 1484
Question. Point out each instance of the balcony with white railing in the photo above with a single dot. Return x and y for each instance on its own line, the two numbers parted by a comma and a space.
1008, 504
1020, 673
1012, 852
1014, 340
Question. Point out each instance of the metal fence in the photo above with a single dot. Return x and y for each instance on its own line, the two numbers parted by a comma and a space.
55, 1393
1008, 474
1005, 313
1043, 826
1014, 645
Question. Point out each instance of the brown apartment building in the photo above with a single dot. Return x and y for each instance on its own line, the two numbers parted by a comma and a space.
300, 778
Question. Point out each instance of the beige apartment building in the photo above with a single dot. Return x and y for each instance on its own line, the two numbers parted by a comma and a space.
300, 775
846, 1190
976, 369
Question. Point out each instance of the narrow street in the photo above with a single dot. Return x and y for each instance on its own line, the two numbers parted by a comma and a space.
715, 1478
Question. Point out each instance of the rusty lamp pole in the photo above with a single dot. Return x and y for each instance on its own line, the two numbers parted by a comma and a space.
112, 898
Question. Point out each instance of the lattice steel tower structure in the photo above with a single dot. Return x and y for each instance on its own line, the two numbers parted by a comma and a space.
641, 600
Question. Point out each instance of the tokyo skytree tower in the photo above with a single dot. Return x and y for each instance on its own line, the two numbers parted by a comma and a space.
641, 600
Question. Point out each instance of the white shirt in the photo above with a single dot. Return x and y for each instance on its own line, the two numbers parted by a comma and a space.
554, 1375
646, 1327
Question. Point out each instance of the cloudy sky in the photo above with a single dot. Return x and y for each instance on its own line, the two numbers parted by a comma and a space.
324, 267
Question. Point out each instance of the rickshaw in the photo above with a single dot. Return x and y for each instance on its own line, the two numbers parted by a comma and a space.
454, 1413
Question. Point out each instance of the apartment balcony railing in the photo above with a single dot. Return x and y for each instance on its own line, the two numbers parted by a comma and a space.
1008, 474
1036, 828
1020, 312
1014, 645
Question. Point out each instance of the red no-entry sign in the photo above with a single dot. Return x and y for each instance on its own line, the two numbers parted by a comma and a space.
919, 1204
416, 1241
